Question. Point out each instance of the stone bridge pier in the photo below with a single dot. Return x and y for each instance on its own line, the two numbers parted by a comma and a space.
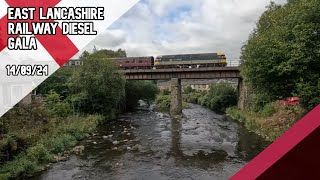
244, 95
176, 97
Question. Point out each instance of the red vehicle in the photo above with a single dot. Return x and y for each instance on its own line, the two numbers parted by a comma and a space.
135, 62
290, 101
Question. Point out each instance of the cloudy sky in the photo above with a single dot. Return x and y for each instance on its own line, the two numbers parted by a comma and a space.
156, 27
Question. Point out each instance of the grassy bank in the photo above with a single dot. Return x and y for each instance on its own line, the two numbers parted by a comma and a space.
28, 148
271, 122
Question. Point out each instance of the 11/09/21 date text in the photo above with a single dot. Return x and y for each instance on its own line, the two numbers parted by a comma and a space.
27, 70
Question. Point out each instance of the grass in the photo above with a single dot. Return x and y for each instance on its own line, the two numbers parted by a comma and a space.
59, 136
271, 122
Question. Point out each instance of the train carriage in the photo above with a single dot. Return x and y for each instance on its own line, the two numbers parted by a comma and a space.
135, 62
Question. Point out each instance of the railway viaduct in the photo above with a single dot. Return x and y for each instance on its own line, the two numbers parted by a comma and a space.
195, 73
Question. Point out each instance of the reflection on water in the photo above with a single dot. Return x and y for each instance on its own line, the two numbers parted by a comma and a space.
151, 145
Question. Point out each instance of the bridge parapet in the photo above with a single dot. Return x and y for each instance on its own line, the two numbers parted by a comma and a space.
233, 63
183, 73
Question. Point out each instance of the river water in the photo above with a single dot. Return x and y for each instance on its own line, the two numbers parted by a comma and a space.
200, 145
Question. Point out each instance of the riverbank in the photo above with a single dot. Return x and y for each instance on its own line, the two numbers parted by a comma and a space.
32, 145
271, 122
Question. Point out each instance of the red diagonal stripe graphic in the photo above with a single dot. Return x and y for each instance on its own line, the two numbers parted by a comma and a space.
282, 146
59, 46
3, 32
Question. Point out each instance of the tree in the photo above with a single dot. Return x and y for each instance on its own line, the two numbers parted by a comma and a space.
110, 53
140, 90
97, 86
281, 57
84, 55
57, 82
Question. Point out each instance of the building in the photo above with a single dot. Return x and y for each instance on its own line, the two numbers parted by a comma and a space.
74, 62
198, 85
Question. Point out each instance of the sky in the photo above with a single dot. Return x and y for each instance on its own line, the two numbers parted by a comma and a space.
160, 27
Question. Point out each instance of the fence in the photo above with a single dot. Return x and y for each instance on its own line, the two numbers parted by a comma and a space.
233, 62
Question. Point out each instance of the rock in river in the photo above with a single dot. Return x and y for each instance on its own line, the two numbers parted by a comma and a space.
78, 149
115, 142
60, 158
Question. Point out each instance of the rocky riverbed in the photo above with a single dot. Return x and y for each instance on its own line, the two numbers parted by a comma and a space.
150, 145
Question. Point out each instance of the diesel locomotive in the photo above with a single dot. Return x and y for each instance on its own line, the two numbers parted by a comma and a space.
173, 61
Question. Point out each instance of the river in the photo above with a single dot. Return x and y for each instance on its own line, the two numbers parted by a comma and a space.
149, 145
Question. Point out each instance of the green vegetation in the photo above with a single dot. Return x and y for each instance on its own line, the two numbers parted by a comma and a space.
55, 105
36, 134
57, 82
195, 97
281, 57
188, 90
218, 98
140, 90
97, 87
163, 102
271, 122
75, 100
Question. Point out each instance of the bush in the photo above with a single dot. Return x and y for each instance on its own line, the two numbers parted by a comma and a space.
39, 153
55, 145
163, 103
57, 82
165, 92
26, 167
259, 101
188, 90
56, 107
22, 166
194, 97
268, 110
220, 97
